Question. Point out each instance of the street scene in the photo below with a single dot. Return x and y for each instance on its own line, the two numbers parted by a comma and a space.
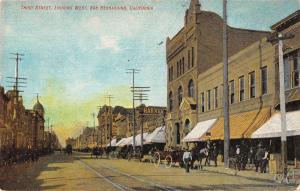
150, 95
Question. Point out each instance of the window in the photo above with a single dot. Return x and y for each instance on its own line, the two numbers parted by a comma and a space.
264, 80
231, 91
191, 88
189, 59
242, 88
183, 65
287, 73
177, 69
180, 68
252, 84
208, 99
216, 97
180, 95
170, 101
193, 56
296, 67
177, 133
202, 102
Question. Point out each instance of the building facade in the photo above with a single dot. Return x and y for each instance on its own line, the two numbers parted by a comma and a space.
196, 48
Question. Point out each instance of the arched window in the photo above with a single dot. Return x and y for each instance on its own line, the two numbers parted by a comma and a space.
180, 95
191, 88
170, 101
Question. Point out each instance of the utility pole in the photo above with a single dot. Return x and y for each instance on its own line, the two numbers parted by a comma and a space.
15, 85
93, 114
225, 88
133, 72
99, 126
140, 94
109, 97
274, 39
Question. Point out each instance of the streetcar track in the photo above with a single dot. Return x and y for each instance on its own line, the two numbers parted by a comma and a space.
116, 185
166, 188
123, 187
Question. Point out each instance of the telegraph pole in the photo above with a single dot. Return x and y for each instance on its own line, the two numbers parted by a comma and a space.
109, 97
93, 114
274, 39
225, 88
100, 107
15, 85
140, 94
133, 72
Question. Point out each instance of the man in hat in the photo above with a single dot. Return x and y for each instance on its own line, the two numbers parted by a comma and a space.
258, 157
187, 158
215, 153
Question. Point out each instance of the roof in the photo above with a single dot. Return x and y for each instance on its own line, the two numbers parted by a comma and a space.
242, 125
199, 130
272, 128
287, 21
38, 106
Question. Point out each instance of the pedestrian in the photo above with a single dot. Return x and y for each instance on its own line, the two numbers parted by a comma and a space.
208, 147
187, 158
215, 153
265, 161
238, 157
258, 157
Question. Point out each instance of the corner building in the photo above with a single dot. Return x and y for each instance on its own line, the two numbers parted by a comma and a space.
196, 48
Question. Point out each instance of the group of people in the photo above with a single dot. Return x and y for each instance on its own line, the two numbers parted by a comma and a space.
9, 155
240, 156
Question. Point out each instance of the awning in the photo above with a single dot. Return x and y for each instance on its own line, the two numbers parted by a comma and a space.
157, 136
138, 139
125, 142
199, 130
272, 128
121, 141
242, 125
113, 143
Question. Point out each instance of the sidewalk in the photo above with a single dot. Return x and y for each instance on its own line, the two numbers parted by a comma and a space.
249, 173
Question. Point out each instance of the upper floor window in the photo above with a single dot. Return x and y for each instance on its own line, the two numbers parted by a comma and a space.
191, 88
170, 101
202, 102
242, 88
295, 72
231, 84
177, 69
216, 97
180, 95
183, 64
264, 80
209, 100
252, 84
189, 59
193, 56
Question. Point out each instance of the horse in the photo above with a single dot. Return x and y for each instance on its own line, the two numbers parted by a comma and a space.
199, 155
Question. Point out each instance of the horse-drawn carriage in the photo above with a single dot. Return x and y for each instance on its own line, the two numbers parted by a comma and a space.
168, 158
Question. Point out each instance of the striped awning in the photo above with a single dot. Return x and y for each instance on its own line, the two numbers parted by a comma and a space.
242, 125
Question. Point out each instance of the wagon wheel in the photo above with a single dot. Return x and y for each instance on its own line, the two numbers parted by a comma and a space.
156, 159
168, 161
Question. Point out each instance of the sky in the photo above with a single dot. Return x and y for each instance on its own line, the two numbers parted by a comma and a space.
73, 58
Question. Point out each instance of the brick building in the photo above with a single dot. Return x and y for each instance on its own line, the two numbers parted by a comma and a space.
196, 48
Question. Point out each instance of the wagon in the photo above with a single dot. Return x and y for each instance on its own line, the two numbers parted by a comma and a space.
168, 158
